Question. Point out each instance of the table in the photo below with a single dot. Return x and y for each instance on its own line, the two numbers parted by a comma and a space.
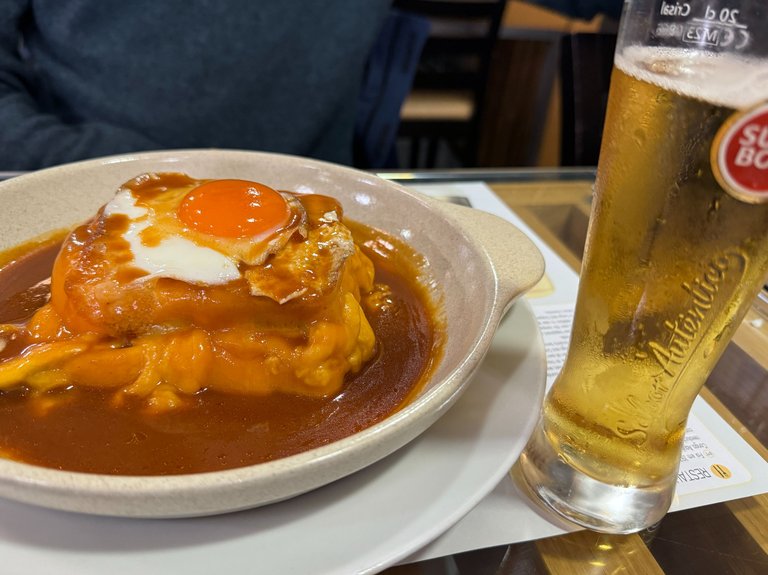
729, 537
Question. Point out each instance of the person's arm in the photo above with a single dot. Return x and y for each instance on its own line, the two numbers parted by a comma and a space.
31, 139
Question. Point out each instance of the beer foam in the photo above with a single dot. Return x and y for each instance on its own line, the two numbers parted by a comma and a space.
722, 79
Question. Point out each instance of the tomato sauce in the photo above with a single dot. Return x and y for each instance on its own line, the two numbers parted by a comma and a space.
81, 429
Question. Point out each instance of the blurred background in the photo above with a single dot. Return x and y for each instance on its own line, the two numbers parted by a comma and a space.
379, 84
487, 83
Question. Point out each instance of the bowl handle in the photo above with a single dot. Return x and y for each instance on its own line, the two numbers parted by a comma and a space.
517, 263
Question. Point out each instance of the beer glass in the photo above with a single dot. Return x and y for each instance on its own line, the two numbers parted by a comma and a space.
677, 250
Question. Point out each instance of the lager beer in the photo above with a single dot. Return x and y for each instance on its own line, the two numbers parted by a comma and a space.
672, 265
673, 260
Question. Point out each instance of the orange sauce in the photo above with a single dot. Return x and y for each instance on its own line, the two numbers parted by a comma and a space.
80, 429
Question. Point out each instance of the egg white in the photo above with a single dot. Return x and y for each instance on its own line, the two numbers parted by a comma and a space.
173, 257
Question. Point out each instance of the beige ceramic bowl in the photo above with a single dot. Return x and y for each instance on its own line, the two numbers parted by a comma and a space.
479, 265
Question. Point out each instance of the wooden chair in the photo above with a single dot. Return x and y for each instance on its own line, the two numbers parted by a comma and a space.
450, 82
586, 61
522, 79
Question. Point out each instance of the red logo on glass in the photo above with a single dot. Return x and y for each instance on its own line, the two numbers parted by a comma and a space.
740, 155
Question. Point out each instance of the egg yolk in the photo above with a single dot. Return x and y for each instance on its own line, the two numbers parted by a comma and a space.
234, 209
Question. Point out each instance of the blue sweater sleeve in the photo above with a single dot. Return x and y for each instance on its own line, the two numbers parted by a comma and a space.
31, 138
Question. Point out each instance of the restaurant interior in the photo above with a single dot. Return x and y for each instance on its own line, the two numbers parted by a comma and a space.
500, 84
502, 102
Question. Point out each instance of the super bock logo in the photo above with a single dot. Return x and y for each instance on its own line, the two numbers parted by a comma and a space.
740, 155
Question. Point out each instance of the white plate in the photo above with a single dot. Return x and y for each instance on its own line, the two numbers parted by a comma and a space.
359, 524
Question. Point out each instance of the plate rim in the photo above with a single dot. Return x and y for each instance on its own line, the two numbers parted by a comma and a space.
372, 560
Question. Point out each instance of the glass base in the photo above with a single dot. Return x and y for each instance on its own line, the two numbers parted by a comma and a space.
585, 501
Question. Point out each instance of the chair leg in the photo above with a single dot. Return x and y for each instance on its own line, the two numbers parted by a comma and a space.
432, 152
415, 152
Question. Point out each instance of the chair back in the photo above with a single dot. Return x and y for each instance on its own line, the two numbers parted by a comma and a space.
586, 63
521, 82
455, 60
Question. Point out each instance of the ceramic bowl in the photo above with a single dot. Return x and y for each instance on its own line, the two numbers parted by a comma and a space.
479, 263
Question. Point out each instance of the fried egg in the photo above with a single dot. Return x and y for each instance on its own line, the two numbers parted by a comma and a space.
169, 250
200, 234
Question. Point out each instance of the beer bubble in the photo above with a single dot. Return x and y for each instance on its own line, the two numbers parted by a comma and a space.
762, 77
714, 207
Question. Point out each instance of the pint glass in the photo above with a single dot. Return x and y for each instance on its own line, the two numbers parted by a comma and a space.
677, 250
